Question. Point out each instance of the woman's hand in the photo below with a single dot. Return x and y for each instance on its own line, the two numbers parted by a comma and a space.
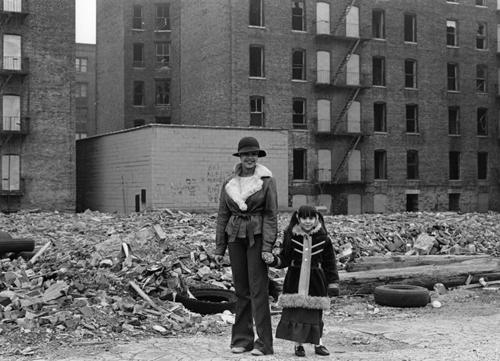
267, 257
218, 258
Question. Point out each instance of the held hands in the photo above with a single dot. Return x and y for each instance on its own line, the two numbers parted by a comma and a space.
267, 257
333, 290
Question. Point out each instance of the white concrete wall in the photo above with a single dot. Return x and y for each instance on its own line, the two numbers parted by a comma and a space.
180, 167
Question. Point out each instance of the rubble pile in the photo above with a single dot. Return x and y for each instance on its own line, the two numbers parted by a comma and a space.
106, 276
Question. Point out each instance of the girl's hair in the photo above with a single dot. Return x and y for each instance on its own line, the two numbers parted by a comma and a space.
305, 212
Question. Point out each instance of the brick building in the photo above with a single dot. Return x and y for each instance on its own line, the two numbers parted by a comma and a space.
37, 126
85, 90
389, 105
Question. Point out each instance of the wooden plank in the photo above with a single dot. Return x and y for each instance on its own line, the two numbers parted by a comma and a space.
400, 261
455, 274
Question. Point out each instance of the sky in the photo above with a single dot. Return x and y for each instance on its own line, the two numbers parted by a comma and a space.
85, 21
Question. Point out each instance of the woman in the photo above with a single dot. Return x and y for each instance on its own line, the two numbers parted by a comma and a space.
247, 226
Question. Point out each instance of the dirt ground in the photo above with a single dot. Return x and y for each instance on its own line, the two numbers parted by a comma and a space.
466, 327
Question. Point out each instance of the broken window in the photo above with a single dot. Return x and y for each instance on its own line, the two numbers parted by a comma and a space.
410, 28
452, 73
162, 17
257, 61
482, 121
378, 71
480, 2
481, 76
299, 164
138, 55
454, 165
138, 93
481, 40
139, 122
412, 164
298, 15
162, 53
162, 92
257, 115
454, 121
81, 65
378, 24
482, 165
410, 73
163, 120
411, 118
256, 13
380, 164
379, 117
137, 17
299, 113
299, 65
451, 33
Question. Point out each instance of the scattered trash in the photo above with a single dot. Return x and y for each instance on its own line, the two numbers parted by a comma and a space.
436, 304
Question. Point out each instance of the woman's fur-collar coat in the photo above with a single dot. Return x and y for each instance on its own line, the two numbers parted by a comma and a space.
248, 211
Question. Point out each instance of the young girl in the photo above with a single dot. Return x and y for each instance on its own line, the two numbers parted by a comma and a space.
311, 277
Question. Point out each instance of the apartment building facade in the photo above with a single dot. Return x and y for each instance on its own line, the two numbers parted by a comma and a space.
85, 90
390, 105
37, 125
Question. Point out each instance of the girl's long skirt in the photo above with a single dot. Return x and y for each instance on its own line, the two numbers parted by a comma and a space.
300, 325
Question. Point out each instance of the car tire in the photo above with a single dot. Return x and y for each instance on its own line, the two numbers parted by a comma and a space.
400, 295
208, 301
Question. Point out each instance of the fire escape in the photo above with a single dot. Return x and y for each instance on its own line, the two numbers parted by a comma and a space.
347, 86
14, 123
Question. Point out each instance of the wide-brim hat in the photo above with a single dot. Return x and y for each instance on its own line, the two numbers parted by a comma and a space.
247, 145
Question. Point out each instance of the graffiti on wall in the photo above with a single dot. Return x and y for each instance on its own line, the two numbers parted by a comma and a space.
194, 190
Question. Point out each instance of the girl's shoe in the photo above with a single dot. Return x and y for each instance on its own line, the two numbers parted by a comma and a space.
299, 351
321, 350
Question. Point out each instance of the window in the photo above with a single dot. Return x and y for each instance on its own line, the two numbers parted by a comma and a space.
454, 165
412, 202
298, 16
11, 172
81, 65
162, 17
482, 121
257, 115
379, 117
481, 40
480, 2
11, 113
452, 73
81, 90
12, 50
410, 73
256, 13
410, 28
138, 55
380, 164
481, 76
299, 164
453, 121
256, 61
299, 65
13, 5
138, 93
137, 17
79, 136
411, 118
482, 165
378, 71
454, 202
451, 33
162, 93
378, 24
299, 113
412, 164
162, 53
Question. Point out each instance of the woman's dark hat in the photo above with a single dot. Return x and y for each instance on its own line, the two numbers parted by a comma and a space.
249, 144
